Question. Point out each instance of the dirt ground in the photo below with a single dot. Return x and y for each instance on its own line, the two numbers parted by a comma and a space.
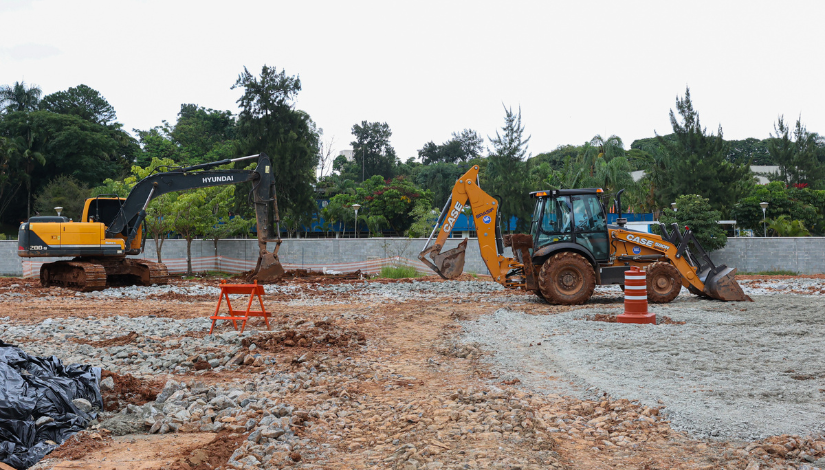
416, 397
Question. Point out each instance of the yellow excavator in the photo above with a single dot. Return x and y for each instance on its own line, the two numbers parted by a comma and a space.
571, 248
110, 229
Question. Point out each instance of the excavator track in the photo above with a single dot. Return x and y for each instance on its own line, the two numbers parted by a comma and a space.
149, 272
93, 274
79, 275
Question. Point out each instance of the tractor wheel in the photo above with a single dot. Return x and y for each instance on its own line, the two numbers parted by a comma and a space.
663, 282
539, 294
567, 279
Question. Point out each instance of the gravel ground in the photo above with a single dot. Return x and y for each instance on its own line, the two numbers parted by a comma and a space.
734, 370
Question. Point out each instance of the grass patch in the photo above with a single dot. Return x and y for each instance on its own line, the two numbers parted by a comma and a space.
769, 273
398, 272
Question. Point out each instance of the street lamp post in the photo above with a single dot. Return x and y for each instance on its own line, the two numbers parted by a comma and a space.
764, 205
356, 207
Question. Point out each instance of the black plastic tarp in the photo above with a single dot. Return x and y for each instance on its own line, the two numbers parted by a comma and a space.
33, 387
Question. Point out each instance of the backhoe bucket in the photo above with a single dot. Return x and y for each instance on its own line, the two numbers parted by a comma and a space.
722, 285
449, 264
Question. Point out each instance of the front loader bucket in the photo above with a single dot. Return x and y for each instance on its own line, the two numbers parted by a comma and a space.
721, 285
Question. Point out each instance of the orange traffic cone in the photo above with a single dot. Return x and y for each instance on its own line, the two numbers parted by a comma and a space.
635, 298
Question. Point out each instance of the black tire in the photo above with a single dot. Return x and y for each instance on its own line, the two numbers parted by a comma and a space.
663, 282
567, 279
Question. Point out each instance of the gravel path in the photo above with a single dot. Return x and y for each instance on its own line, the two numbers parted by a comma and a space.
734, 370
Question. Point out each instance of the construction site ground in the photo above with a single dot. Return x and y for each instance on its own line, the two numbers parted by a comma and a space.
426, 374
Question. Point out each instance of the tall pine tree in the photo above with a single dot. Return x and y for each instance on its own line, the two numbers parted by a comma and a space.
696, 162
269, 123
507, 171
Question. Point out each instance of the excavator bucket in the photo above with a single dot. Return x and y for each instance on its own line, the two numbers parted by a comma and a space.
449, 264
721, 284
270, 268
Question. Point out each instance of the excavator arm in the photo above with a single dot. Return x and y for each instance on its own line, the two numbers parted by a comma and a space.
450, 264
133, 211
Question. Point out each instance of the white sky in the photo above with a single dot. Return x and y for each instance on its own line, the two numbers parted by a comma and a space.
431, 68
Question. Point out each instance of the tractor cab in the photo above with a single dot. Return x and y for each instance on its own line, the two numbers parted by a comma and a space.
571, 216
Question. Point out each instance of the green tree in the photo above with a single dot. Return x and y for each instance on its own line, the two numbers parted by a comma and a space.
26, 148
159, 221
506, 172
372, 150
797, 153
696, 162
220, 225
805, 205
556, 158
82, 101
695, 212
464, 146
204, 134
269, 123
19, 97
157, 144
750, 151
608, 148
63, 191
424, 218
784, 227
192, 217
440, 178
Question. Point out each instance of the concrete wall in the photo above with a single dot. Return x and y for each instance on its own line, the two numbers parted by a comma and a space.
803, 255
344, 254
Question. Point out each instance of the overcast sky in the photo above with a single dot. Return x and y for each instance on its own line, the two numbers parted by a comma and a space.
432, 68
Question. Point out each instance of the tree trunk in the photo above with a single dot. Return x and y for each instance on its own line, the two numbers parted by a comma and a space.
188, 256
28, 200
158, 246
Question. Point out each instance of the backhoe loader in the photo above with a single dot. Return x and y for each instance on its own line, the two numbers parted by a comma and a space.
110, 229
571, 248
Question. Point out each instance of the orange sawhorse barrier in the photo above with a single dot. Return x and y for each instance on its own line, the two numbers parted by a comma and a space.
254, 290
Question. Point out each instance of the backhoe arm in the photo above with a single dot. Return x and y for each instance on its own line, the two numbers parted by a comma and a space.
450, 264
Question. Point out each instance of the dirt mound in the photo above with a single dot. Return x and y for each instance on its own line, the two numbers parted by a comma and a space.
605, 317
117, 341
129, 390
209, 456
80, 445
310, 338
666, 320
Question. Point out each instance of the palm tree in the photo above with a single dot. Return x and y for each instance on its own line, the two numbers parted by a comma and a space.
18, 97
23, 147
610, 147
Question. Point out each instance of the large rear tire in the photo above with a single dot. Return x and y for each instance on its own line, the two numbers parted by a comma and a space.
663, 282
567, 279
